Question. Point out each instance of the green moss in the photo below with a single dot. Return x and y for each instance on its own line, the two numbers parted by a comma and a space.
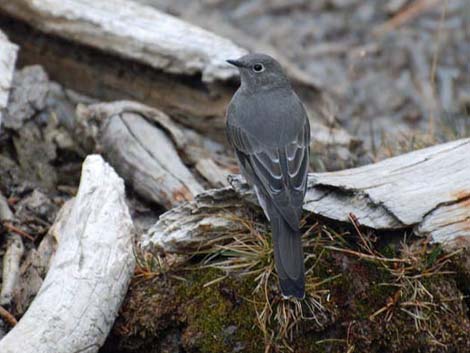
218, 316
222, 316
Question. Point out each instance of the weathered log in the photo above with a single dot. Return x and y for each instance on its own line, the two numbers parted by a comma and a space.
191, 225
411, 190
135, 32
89, 274
427, 191
7, 66
212, 172
173, 66
145, 154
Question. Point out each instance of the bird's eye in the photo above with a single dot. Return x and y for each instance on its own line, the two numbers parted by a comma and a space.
258, 67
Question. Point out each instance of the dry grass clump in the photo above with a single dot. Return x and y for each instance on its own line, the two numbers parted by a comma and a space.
354, 284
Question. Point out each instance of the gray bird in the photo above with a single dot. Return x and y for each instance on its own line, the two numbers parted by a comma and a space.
269, 129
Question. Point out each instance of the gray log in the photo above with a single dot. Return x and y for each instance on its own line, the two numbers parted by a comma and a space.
426, 190
132, 31
89, 274
398, 192
193, 224
145, 154
8, 52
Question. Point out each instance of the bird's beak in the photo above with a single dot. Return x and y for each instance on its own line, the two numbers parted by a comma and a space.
236, 63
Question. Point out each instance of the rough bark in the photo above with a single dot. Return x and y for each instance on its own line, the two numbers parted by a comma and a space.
8, 52
89, 274
133, 31
191, 225
427, 190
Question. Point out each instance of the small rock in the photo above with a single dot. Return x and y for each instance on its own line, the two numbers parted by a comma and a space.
28, 96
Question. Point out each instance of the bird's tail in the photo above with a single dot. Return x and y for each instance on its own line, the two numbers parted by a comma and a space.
288, 257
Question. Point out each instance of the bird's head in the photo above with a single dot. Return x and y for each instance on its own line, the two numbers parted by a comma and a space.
258, 71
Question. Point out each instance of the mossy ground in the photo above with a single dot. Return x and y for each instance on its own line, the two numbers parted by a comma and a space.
362, 297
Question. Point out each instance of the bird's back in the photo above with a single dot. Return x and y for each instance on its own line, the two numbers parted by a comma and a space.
273, 117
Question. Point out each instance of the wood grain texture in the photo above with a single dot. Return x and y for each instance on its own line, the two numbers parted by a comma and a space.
89, 274
8, 52
398, 192
192, 225
142, 143
427, 191
133, 31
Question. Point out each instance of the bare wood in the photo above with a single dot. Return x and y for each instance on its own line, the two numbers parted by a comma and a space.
8, 317
89, 274
133, 31
405, 191
426, 190
12, 257
143, 153
8, 53
216, 175
11, 268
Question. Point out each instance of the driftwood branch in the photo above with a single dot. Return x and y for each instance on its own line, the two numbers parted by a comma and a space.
133, 31
7, 66
142, 143
411, 190
89, 274
427, 190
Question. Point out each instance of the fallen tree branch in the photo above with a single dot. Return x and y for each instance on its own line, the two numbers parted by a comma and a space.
411, 190
89, 274
8, 317
135, 32
143, 144
426, 190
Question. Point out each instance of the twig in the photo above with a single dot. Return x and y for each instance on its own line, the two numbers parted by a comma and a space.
434, 64
11, 228
410, 12
9, 318
365, 256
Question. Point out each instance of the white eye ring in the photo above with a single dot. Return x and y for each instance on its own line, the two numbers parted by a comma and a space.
258, 68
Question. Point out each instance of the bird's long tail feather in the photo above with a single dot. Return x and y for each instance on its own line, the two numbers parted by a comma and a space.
288, 257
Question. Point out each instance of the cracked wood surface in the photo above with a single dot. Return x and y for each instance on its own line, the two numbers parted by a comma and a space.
426, 190
89, 274
8, 53
142, 144
133, 31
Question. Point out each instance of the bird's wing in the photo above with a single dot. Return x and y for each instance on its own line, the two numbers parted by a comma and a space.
279, 172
